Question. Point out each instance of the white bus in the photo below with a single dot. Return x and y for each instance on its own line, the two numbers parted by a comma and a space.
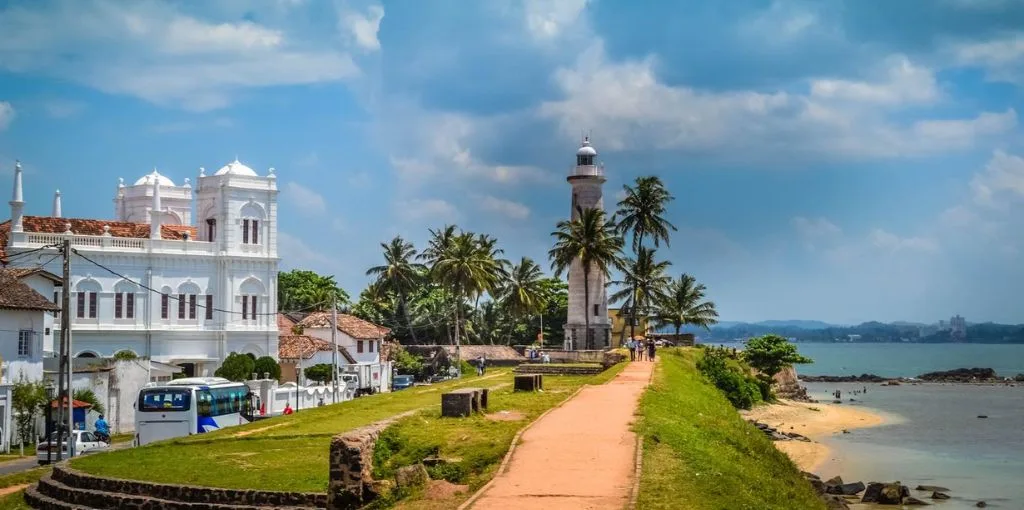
193, 405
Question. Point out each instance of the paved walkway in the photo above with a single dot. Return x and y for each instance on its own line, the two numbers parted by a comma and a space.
579, 456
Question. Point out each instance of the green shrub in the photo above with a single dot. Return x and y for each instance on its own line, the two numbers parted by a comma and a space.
467, 368
742, 390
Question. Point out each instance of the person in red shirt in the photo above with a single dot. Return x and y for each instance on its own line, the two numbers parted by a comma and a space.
288, 408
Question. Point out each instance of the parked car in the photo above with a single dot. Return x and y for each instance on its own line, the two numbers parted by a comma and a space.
85, 442
401, 382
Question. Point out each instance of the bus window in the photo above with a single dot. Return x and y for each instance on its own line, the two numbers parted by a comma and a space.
204, 404
164, 399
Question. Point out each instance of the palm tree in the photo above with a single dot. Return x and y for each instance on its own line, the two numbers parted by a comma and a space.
642, 213
523, 293
465, 271
399, 274
645, 281
684, 304
591, 241
489, 250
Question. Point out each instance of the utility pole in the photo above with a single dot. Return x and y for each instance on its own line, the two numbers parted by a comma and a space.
334, 348
64, 360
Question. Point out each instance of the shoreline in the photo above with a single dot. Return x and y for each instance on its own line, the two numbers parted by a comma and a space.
816, 421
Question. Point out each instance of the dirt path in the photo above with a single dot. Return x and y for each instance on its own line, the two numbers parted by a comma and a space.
12, 489
579, 456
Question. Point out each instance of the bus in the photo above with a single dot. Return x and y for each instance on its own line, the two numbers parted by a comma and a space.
193, 405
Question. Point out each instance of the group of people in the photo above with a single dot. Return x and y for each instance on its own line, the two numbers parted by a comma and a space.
637, 349
536, 355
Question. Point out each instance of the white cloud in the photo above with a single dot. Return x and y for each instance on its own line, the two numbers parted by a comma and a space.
905, 83
363, 28
62, 108
1002, 180
893, 243
507, 208
548, 19
152, 51
6, 115
782, 22
1003, 58
841, 119
815, 228
432, 210
304, 199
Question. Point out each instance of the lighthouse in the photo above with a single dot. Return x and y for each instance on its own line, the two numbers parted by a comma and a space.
587, 180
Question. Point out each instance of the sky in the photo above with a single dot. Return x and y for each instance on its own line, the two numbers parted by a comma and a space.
835, 160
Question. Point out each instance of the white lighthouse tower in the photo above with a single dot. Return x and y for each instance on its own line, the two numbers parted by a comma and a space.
587, 179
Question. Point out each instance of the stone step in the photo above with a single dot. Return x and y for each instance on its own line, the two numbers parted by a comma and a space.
88, 498
40, 501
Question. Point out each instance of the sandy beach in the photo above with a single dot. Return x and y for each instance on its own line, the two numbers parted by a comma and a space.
816, 421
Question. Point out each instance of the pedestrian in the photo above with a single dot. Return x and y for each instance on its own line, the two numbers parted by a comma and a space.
632, 349
483, 364
480, 366
288, 408
639, 350
650, 350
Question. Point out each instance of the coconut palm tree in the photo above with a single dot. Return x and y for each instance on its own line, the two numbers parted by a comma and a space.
593, 242
642, 214
465, 271
399, 275
489, 250
684, 304
523, 293
645, 283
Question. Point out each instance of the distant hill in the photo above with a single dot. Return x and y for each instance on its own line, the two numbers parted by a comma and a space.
872, 331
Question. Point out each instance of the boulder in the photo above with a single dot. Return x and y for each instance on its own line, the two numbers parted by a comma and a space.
940, 495
981, 504
912, 501
833, 502
851, 489
381, 488
412, 476
885, 493
810, 475
835, 480
931, 488
819, 486
871, 493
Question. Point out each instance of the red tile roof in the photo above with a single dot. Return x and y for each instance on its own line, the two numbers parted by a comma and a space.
349, 324
305, 347
79, 226
17, 295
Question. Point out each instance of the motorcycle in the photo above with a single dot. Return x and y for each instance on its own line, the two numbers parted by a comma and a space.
102, 436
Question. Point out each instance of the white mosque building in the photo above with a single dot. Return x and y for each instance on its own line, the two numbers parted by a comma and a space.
182, 275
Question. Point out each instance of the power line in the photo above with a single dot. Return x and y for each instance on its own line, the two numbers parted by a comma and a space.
21, 255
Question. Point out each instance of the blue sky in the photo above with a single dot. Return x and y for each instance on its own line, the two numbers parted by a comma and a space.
837, 160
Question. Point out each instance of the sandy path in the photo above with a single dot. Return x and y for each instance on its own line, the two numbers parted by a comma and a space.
580, 455
12, 489
800, 417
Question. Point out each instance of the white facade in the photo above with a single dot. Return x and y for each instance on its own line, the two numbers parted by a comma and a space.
25, 335
226, 260
364, 351
587, 179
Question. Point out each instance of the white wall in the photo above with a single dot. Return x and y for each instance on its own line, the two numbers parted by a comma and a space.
11, 322
349, 344
117, 389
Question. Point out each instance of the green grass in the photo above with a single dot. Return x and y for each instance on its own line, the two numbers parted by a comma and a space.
282, 453
16, 500
700, 455
474, 446
30, 451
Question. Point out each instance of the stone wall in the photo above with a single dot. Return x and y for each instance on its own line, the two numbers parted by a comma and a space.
351, 483
588, 369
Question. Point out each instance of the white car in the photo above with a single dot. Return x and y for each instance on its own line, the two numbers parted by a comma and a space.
85, 442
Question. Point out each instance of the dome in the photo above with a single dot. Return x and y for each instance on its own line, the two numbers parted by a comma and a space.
586, 149
149, 178
236, 168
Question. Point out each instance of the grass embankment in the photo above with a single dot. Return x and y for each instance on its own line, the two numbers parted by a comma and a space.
473, 447
699, 454
284, 453
12, 487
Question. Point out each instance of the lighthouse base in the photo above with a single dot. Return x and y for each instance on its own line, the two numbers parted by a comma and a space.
576, 339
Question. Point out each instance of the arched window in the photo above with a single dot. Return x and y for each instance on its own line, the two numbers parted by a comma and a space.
124, 299
188, 292
87, 298
87, 354
252, 216
250, 291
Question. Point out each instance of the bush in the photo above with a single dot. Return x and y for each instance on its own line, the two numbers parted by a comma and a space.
467, 368
321, 373
237, 367
266, 364
742, 390
125, 356
406, 363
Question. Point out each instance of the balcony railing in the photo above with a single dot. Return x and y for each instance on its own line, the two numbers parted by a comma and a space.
587, 170
110, 243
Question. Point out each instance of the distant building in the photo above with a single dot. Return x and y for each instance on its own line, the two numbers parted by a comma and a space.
620, 327
957, 327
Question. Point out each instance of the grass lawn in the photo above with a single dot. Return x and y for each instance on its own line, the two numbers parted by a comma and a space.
282, 453
700, 455
30, 451
15, 500
474, 446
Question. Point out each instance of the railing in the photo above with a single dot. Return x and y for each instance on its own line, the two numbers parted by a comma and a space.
587, 170
104, 243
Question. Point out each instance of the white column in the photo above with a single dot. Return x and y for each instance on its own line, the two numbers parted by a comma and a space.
17, 202
56, 205
156, 211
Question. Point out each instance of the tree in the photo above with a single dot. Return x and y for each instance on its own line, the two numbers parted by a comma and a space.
321, 373
306, 290
523, 294
27, 399
589, 240
684, 304
87, 395
399, 275
406, 363
125, 356
769, 354
645, 283
465, 270
237, 367
642, 213
266, 365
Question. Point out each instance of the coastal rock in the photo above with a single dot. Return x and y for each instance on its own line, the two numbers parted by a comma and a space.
835, 480
912, 501
885, 493
810, 475
863, 378
931, 488
871, 493
1019, 378
940, 495
818, 485
833, 502
845, 489
961, 375
412, 476
981, 504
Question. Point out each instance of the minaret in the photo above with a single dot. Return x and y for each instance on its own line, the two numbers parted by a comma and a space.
587, 179
156, 211
56, 205
17, 202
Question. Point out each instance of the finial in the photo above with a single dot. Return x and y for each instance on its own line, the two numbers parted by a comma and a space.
106, 230
271, 174
202, 172
120, 182
67, 228
236, 158
188, 182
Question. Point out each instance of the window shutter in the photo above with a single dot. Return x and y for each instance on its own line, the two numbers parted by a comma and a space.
118, 305
181, 306
130, 308
253, 307
81, 305
92, 305
245, 308
209, 307
164, 312
245, 231
191, 306
255, 231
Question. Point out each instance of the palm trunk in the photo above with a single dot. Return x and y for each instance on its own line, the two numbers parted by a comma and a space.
632, 309
408, 318
586, 305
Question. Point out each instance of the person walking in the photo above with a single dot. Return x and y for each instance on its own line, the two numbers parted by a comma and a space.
639, 350
632, 349
650, 350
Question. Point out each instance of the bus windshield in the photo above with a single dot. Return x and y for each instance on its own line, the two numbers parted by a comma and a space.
164, 399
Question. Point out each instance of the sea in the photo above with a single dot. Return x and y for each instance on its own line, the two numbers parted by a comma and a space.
933, 435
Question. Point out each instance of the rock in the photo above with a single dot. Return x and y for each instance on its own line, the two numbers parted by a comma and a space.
1019, 378
837, 401
835, 480
940, 495
846, 431
912, 501
412, 476
960, 375
885, 493
871, 493
845, 489
818, 485
810, 475
381, 488
982, 416
931, 488
981, 504
833, 502
843, 378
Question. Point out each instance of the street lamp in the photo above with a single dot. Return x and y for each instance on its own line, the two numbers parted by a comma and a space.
48, 429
